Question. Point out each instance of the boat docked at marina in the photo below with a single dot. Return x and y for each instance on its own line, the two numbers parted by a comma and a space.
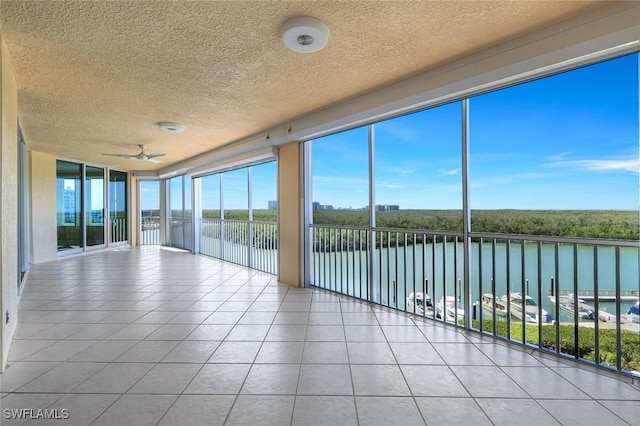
450, 309
531, 309
420, 303
488, 303
585, 312
633, 313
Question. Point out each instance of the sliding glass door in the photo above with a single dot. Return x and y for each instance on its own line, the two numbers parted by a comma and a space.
149, 193
82, 208
180, 213
176, 208
94, 206
118, 206
69, 206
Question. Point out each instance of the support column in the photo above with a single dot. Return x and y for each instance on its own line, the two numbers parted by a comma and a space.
289, 213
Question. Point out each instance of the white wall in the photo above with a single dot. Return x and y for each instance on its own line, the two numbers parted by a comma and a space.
44, 237
8, 203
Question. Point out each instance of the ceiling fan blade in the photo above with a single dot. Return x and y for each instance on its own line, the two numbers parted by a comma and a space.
142, 156
123, 156
153, 160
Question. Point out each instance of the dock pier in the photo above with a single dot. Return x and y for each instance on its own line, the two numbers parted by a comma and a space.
604, 295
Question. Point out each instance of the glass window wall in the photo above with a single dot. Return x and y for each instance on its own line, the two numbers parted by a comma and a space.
418, 170
264, 192
552, 203
177, 212
238, 216
558, 156
236, 195
210, 216
340, 178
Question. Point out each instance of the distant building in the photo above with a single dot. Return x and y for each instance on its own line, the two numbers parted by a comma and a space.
387, 207
66, 202
96, 217
273, 205
318, 206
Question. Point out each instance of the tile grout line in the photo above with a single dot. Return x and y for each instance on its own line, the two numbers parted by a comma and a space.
254, 358
353, 386
304, 343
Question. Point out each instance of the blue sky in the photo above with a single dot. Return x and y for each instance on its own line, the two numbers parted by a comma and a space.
565, 142
235, 189
569, 141
149, 195
263, 185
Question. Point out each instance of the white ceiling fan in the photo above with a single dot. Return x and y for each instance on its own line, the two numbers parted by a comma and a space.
142, 156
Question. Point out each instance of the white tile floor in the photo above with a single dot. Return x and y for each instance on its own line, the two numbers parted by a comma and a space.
140, 336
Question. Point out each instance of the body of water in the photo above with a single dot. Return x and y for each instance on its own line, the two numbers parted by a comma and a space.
519, 267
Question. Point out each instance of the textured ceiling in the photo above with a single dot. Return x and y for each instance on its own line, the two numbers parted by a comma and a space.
95, 77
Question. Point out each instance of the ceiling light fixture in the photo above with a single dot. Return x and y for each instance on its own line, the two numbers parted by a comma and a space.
304, 34
171, 127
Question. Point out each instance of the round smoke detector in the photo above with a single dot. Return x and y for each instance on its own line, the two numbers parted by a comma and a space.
171, 127
304, 34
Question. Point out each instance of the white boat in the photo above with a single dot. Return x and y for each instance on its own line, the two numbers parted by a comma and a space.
633, 313
532, 310
420, 303
567, 304
585, 311
451, 309
488, 303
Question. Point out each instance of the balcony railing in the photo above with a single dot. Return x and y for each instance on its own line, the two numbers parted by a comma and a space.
150, 230
247, 243
568, 296
118, 230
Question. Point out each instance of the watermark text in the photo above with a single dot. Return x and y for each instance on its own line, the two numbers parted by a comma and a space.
35, 414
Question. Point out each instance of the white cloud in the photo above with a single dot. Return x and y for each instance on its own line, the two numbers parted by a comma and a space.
452, 172
403, 171
630, 163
